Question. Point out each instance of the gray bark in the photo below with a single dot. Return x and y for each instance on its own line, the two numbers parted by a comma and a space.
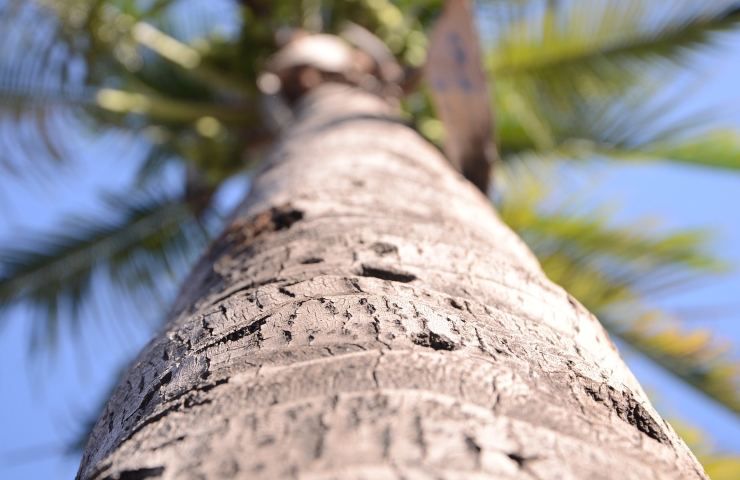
366, 315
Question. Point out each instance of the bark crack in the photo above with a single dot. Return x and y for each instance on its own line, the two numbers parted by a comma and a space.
137, 474
385, 272
238, 334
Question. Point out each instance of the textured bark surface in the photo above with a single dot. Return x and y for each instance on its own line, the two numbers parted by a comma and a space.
368, 316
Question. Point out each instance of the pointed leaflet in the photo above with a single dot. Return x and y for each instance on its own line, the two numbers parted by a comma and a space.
590, 46
561, 71
460, 92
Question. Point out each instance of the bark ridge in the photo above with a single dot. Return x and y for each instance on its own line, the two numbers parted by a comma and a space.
368, 316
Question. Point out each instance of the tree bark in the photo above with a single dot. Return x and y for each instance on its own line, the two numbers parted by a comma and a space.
366, 315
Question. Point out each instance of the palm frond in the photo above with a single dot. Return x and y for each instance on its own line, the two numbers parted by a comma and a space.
644, 124
85, 65
587, 46
717, 148
695, 357
717, 464
110, 100
637, 255
31, 55
721, 467
585, 79
614, 270
143, 245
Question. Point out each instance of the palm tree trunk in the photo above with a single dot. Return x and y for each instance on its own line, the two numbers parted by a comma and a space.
367, 315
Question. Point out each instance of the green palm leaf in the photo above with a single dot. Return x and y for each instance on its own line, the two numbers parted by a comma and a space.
717, 148
605, 43
717, 464
143, 241
639, 125
38, 83
613, 271
721, 467
584, 80
693, 356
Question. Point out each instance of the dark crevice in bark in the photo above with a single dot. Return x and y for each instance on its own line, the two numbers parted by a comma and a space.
386, 442
286, 292
387, 273
175, 440
320, 441
329, 306
311, 260
211, 386
166, 378
287, 335
626, 408
238, 238
435, 341
355, 285
284, 217
244, 331
138, 474
419, 436
189, 402
474, 448
206, 326
241, 233
249, 286
516, 457
368, 306
237, 334
376, 379
206, 372
455, 304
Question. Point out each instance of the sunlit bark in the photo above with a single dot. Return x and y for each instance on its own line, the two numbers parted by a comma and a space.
367, 315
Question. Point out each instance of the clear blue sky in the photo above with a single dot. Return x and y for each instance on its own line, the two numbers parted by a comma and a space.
44, 399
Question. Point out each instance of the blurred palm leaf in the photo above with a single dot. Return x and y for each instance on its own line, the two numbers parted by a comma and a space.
614, 271
644, 124
83, 64
695, 357
144, 245
585, 78
718, 148
718, 465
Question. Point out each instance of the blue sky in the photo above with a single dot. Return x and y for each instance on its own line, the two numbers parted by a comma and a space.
44, 398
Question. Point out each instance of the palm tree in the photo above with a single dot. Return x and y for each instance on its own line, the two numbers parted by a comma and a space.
574, 80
